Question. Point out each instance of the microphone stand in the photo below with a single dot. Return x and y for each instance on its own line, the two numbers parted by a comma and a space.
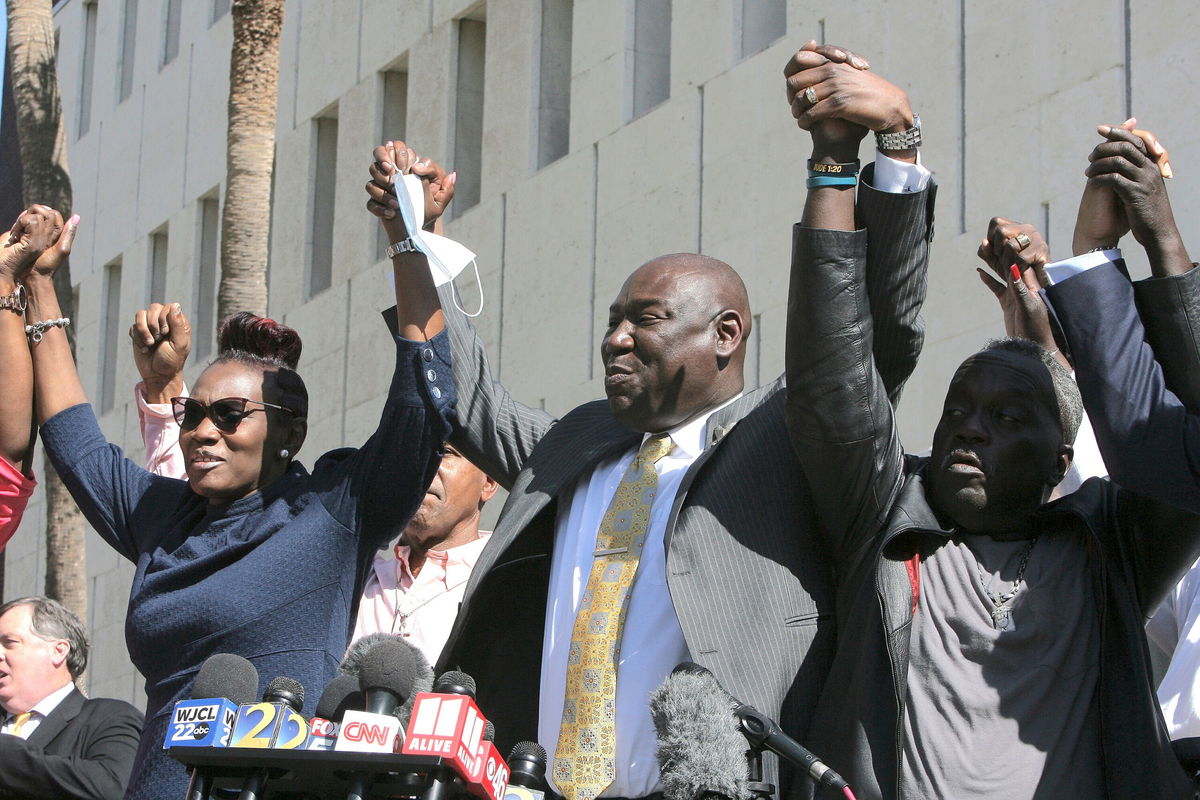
759, 790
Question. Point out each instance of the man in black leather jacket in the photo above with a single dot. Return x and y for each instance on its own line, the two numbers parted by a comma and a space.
988, 645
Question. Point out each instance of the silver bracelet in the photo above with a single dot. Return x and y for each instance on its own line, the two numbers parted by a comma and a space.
37, 330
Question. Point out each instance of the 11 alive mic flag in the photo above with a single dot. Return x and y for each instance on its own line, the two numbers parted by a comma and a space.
450, 726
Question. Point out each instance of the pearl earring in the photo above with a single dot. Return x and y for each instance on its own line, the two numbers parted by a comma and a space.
284, 453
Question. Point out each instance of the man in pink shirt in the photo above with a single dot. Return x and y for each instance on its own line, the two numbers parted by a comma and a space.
416, 585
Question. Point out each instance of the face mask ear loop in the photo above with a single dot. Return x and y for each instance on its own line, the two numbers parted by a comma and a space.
478, 282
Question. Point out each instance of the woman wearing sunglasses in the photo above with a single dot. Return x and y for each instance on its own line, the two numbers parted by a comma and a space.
253, 554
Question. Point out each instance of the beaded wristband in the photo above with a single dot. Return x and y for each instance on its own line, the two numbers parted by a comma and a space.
37, 330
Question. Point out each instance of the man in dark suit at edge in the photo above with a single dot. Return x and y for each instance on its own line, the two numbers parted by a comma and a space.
54, 742
717, 529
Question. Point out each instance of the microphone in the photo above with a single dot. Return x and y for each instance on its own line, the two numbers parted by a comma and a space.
224, 682
527, 772
447, 723
385, 677
701, 753
764, 733
489, 731
275, 722
423, 676
340, 695
761, 731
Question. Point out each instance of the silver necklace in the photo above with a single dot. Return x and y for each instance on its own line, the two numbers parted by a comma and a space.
1003, 604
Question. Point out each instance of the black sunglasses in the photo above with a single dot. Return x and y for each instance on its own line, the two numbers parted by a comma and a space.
226, 413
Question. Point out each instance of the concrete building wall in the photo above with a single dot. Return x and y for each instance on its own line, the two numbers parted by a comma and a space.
1008, 94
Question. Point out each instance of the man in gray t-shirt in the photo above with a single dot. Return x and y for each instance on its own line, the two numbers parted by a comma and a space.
990, 644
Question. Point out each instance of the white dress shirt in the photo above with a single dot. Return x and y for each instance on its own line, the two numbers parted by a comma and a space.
652, 641
40, 712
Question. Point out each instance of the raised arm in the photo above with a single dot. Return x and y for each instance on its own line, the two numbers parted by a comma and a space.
895, 196
493, 430
161, 338
839, 415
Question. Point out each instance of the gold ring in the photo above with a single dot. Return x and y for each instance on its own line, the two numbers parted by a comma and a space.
1022, 241
810, 94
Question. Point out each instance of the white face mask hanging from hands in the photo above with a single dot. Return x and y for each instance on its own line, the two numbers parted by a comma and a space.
447, 258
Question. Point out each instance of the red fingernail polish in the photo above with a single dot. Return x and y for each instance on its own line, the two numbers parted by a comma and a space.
1016, 273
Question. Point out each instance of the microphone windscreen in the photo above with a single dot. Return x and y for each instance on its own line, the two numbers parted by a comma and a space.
339, 696
285, 690
352, 661
389, 666
229, 676
701, 751
455, 682
528, 751
489, 731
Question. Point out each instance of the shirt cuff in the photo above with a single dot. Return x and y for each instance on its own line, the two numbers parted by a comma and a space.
899, 177
158, 410
1060, 271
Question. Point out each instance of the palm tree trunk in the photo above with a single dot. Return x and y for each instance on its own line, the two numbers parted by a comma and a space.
45, 180
250, 157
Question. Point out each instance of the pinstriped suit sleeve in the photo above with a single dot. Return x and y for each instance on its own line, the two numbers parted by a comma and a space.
494, 431
899, 229
1170, 310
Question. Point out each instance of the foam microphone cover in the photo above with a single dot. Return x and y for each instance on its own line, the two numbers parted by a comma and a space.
527, 763
455, 682
386, 676
288, 691
229, 676
701, 751
489, 731
422, 682
340, 695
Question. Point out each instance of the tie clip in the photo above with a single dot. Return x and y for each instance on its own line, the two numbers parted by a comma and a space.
611, 551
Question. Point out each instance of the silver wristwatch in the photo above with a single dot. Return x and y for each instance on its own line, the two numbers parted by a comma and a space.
905, 140
403, 246
15, 301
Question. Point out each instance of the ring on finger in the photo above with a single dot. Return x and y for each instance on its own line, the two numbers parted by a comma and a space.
810, 94
1022, 241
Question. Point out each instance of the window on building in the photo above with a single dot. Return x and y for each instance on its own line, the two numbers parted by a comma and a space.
320, 263
759, 23
89, 63
110, 316
156, 276
171, 12
554, 81
219, 9
128, 48
648, 61
204, 322
468, 111
393, 126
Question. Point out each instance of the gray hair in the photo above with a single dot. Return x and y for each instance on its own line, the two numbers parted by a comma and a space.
1066, 392
52, 621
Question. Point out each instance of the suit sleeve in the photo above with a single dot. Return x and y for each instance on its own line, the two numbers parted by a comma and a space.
1170, 310
1150, 442
99, 771
494, 431
899, 229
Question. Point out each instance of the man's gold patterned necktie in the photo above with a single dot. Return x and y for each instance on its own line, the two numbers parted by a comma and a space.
19, 722
585, 759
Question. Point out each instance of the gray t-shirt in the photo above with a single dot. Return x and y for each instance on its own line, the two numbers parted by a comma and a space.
1006, 714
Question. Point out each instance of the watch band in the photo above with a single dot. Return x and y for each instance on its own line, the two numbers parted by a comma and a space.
904, 140
17, 301
404, 246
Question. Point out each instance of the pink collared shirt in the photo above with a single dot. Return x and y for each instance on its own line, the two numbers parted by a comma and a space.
421, 607
15, 489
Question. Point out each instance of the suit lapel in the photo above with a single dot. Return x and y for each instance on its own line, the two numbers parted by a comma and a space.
56, 720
